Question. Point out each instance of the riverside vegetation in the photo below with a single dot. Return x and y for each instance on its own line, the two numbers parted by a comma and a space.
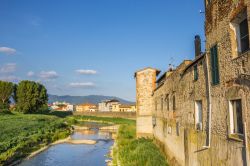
29, 126
129, 151
21, 134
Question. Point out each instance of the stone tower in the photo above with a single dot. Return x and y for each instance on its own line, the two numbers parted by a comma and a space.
145, 86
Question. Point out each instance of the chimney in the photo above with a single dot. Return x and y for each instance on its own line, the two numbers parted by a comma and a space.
197, 44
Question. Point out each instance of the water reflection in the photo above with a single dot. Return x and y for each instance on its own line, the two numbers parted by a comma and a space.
76, 155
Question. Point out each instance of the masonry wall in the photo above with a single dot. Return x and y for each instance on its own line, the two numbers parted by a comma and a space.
145, 85
175, 129
129, 115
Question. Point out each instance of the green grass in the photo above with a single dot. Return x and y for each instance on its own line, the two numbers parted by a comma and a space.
101, 119
20, 134
133, 152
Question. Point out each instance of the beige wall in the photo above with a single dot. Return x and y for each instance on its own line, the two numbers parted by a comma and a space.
145, 84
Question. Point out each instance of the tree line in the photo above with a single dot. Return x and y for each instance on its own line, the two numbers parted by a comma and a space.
28, 96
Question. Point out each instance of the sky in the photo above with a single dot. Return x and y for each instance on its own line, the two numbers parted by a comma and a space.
93, 47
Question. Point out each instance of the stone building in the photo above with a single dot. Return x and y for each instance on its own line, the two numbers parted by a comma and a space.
200, 111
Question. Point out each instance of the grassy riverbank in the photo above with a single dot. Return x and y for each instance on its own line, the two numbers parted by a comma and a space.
128, 150
131, 151
22, 134
107, 120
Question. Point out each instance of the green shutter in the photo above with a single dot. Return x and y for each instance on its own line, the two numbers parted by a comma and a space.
214, 65
195, 72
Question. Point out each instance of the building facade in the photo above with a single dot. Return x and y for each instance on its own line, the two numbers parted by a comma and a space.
127, 108
86, 107
62, 106
201, 110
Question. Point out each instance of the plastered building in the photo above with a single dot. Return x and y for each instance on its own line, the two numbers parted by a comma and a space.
201, 109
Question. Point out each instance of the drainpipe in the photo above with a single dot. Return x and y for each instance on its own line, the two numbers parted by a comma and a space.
246, 146
207, 146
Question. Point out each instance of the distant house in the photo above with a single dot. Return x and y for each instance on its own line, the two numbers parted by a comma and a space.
86, 107
108, 105
115, 106
61, 106
127, 108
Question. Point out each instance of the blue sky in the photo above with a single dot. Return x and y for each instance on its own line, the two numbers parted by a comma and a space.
83, 47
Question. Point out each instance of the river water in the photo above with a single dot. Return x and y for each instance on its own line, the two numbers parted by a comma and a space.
76, 155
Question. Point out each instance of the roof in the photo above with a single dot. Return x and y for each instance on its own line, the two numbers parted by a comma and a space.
161, 77
112, 100
146, 68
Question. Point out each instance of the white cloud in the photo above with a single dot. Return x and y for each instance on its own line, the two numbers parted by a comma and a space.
8, 68
86, 72
10, 78
7, 50
30, 74
48, 75
82, 84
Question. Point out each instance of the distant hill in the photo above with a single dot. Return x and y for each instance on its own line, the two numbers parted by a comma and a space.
95, 99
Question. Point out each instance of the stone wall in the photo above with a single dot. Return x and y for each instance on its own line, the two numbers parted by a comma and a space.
175, 129
145, 85
129, 115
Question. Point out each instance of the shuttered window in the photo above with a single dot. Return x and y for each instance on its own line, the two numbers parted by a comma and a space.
214, 65
195, 72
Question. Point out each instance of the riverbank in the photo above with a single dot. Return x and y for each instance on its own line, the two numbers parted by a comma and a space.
22, 134
128, 150
28, 135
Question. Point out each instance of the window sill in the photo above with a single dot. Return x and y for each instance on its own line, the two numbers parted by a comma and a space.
214, 85
236, 137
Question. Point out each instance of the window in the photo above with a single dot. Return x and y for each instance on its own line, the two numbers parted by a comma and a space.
156, 106
162, 104
241, 33
178, 128
214, 65
167, 101
196, 72
244, 36
174, 106
154, 121
235, 110
198, 115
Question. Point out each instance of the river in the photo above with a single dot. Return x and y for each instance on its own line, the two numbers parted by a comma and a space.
66, 154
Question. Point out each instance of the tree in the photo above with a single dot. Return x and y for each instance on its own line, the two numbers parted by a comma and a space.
31, 97
6, 89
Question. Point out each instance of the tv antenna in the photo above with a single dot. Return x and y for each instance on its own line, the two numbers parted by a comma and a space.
202, 12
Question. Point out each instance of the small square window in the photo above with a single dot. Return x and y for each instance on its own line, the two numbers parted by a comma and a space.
235, 110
